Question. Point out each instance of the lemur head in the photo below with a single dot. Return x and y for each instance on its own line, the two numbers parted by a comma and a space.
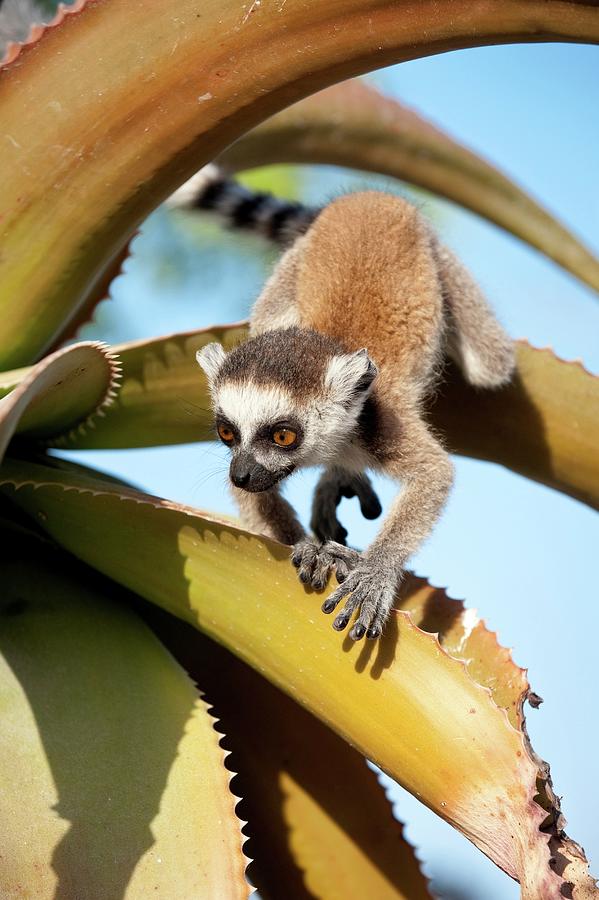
285, 399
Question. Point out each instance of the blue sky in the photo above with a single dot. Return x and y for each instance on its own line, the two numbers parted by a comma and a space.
524, 555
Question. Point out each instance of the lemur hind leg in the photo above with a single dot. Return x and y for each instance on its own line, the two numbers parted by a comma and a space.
334, 484
426, 471
475, 339
315, 561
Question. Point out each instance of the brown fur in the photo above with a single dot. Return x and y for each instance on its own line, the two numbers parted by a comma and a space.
370, 273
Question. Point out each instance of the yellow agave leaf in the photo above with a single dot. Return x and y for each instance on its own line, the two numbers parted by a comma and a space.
403, 701
318, 822
544, 425
62, 395
114, 783
91, 146
353, 125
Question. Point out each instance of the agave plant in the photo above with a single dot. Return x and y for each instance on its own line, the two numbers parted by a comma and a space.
113, 710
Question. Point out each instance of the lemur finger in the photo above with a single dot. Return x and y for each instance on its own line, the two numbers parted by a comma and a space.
322, 569
363, 624
339, 593
304, 559
345, 615
349, 556
378, 623
342, 570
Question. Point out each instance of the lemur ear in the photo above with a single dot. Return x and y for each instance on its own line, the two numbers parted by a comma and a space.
211, 357
349, 377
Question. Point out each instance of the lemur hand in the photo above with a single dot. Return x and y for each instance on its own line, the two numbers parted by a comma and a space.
331, 489
315, 561
372, 593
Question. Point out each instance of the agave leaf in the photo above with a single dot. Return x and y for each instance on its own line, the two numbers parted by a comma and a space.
353, 125
101, 291
93, 146
103, 739
465, 760
61, 395
310, 835
544, 425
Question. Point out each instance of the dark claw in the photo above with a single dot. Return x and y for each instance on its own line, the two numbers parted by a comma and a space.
357, 632
340, 622
318, 584
373, 633
328, 606
304, 577
341, 575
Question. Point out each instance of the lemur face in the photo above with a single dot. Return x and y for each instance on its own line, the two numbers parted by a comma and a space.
278, 410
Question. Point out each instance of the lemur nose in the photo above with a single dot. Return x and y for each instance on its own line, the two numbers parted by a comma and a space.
241, 469
240, 479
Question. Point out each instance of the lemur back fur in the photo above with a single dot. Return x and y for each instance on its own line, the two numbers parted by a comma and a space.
346, 339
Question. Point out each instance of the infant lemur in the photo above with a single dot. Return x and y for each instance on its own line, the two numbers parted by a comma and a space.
346, 339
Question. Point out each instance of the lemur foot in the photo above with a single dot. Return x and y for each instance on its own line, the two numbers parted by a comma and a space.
324, 523
315, 561
372, 593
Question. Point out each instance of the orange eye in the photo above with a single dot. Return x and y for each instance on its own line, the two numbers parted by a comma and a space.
225, 433
284, 437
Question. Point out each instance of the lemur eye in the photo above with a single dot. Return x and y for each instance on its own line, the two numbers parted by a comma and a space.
284, 437
225, 433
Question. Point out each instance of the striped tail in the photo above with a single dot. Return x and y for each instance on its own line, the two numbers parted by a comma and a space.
211, 189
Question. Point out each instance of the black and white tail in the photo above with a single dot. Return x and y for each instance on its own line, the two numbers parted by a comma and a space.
212, 189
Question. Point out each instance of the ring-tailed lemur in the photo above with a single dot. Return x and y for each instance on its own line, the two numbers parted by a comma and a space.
346, 339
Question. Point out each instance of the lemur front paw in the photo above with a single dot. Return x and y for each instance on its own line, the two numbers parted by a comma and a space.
372, 593
328, 496
315, 561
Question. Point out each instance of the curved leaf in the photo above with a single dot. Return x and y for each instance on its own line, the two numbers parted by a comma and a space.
103, 740
61, 396
310, 835
353, 125
543, 425
93, 146
465, 760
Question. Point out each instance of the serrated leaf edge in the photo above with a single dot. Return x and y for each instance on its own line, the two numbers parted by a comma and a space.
541, 817
115, 376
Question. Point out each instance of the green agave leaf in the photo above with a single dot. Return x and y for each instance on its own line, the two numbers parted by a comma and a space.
544, 425
92, 146
469, 763
319, 823
104, 740
59, 397
353, 125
